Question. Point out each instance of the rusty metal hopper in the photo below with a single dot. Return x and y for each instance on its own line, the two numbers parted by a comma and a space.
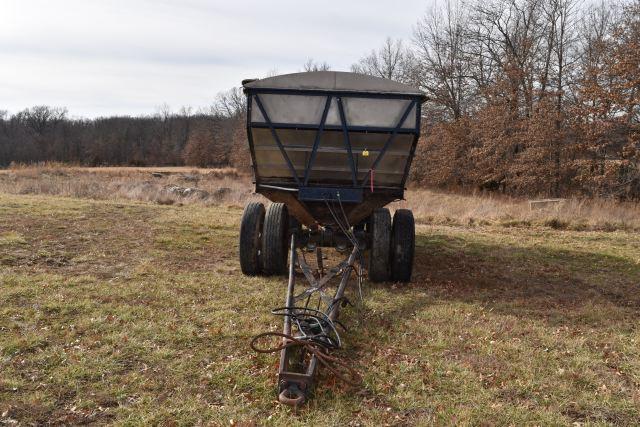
323, 137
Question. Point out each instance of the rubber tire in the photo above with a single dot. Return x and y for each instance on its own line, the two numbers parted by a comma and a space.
251, 238
380, 232
275, 247
403, 243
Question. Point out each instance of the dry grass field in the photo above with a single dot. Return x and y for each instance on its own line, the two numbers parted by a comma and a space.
227, 187
122, 302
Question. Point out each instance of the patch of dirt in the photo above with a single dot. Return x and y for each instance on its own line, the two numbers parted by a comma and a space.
103, 242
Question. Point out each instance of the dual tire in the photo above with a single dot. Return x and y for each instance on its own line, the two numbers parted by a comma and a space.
263, 239
403, 243
392, 245
264, 242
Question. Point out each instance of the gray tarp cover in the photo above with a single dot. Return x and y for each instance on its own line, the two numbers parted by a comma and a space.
334, 80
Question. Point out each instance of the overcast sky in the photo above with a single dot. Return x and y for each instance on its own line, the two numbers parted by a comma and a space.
105, 57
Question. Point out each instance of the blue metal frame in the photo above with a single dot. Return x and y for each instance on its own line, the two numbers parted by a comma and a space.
347, 142
414, 145
324, 194
302, 185
389, 141
343, 93
316, 143
309, 126
277, 139
250, 138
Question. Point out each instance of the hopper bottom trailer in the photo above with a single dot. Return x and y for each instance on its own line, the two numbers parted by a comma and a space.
329, 150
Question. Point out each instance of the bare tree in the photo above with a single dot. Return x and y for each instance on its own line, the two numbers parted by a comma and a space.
230, 104
594, 33
164, 111
444, 67
510, 34
186, 111
561, 54
311, 66
40, 117
392, 61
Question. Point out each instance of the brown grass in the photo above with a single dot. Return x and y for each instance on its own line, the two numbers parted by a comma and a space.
134, 313
228, 187
163, 185
573, 214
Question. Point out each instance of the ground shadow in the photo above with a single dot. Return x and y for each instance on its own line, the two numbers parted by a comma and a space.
523, 281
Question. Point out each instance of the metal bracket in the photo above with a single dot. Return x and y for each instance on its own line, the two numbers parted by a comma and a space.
321, 194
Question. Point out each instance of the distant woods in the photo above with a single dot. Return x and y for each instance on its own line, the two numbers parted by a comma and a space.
207, 137
527, 97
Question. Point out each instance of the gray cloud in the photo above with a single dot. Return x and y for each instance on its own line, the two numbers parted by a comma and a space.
127, 57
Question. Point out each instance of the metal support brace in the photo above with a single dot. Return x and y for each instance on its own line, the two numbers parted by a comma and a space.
316, 143
389, 141
277, 139
347, 142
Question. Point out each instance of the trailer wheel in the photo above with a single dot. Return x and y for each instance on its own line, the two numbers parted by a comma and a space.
274, 240
250, 238
380, 231
403, 239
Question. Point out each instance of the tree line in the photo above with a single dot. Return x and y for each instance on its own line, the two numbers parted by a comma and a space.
207, 137
525, 97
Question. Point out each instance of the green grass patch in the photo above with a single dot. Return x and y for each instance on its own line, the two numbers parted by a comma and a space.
133, 313
11, 238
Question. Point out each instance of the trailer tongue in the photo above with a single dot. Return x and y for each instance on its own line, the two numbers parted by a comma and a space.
330, 150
